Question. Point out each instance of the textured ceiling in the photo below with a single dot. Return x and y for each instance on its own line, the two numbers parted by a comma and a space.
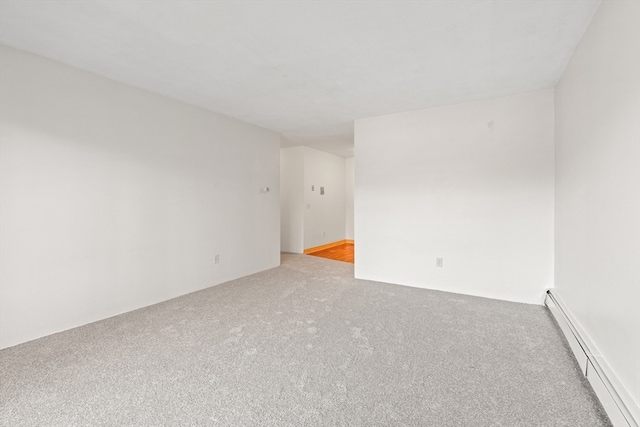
308, 69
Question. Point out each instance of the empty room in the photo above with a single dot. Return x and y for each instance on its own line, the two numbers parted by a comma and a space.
172, 171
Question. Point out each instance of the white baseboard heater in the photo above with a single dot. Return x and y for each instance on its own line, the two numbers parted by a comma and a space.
614, 399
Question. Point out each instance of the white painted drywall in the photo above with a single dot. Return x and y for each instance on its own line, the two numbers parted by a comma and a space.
349, 183
471, 183
597, 214
310, 218
114, 198
292, 200
324, 215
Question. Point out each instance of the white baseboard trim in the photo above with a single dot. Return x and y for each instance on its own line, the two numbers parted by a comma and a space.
621, 409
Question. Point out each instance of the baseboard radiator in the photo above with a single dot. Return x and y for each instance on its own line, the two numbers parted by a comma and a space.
615, 400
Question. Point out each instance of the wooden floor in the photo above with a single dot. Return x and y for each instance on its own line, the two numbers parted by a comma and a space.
339, 253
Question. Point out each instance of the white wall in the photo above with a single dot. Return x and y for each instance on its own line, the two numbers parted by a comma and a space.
310, 219
597, 216
324, 219
292, 200
114, 198
349, 184
471, 183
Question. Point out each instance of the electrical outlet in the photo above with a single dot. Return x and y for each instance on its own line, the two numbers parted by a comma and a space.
216, 259
439, 262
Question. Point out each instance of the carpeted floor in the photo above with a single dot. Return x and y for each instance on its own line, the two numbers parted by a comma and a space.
304, 344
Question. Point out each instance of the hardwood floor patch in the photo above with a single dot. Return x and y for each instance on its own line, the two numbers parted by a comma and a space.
344, 252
